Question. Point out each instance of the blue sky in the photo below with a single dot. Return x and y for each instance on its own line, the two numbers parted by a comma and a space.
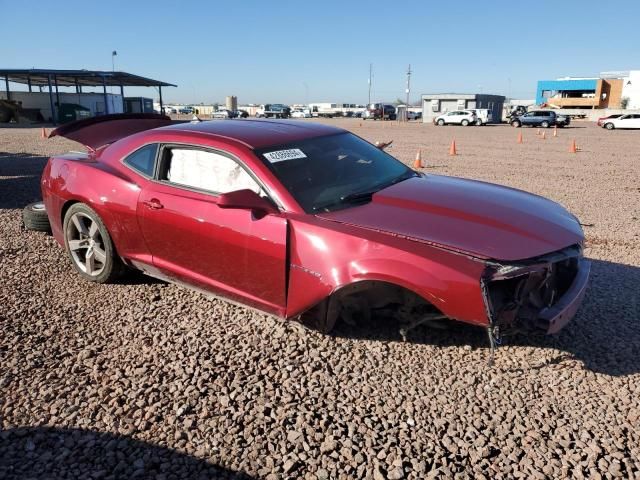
292, 51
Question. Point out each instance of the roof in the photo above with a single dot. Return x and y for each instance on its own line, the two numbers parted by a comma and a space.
456, 96
86, 78
259, 133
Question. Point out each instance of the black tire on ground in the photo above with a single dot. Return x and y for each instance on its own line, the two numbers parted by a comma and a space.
479, 122
90, 240
609, 126
34, 217
516, 124
545, 124
465, 122
440, 122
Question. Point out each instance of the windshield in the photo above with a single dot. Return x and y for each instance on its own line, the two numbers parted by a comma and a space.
333, 172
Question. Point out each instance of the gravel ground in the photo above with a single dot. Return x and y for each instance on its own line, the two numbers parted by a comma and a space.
149, 380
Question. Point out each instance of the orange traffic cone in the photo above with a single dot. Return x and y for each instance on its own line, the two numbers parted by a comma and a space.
43, 133
538, 132
574, 147
452, 149
555, 130
418, 161
544, 135
520, 137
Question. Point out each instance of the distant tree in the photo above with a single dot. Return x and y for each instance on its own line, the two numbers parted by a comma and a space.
624, 102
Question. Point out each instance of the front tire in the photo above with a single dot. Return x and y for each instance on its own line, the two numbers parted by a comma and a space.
440, 122
516, 124
479, 123
89, 245
609, 126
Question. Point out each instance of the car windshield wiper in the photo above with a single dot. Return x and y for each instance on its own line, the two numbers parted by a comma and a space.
366, 195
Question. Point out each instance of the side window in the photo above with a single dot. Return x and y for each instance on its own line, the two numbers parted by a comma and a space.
205, 170
143, 160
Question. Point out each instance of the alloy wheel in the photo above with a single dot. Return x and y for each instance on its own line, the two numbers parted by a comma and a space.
86, 244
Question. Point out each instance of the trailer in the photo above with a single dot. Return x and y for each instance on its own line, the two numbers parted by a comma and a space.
273, 110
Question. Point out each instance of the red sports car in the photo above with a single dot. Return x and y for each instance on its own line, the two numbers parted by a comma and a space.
308, 221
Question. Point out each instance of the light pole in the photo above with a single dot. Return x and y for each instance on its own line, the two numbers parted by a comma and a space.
370, 77
114, 54
406, 110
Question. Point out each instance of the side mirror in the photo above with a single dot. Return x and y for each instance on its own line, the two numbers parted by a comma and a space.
246, 200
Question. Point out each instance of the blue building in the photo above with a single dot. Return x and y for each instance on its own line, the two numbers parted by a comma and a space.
580, 92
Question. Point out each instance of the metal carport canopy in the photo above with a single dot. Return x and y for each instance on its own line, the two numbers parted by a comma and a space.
85, 78
77, 78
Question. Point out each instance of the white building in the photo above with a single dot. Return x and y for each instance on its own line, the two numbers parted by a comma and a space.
631, 89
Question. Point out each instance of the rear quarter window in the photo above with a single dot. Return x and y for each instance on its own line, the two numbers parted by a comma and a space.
143, 160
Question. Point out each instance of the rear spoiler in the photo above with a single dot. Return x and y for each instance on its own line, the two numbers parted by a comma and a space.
96, 132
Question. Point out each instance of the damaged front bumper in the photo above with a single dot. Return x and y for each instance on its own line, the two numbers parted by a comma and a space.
536, 295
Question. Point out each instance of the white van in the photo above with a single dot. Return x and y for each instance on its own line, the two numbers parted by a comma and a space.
483, 115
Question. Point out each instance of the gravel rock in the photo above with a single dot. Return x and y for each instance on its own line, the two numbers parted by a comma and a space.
144, 379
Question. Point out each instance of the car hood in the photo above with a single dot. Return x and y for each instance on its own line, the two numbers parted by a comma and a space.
484, 220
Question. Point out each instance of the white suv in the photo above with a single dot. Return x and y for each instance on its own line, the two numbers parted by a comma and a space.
457, 117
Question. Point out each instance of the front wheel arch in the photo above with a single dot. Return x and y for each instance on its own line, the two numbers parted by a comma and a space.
358, 299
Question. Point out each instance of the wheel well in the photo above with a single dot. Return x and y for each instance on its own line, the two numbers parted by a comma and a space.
67, 205
359, 301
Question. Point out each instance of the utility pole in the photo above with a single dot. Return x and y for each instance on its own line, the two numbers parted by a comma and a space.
406, 111
370, 77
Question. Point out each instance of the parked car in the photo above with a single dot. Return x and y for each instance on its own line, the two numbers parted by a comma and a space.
602, 120
630, 120
541, 118
310, 223
483, 115
379, 111
411, 115
456, 117
186, 110
223, 113
298, 113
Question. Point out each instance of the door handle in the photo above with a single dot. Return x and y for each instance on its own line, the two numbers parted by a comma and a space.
154, 204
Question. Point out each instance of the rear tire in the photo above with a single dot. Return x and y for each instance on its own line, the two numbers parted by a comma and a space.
545, 125
464, 123
89, 245
34, 217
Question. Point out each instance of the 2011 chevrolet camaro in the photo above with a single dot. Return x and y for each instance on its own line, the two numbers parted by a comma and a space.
308, 221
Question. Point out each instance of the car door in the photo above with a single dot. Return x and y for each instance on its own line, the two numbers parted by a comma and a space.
226, 251
634, 121
528, 118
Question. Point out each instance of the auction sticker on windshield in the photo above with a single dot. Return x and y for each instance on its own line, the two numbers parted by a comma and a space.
282, 155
